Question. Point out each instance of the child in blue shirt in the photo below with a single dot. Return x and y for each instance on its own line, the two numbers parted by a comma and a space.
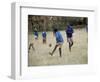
59, 42
69, 33
44, 34
36, 34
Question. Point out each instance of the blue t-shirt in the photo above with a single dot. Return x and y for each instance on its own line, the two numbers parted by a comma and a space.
36, 33
44, 34
59, 37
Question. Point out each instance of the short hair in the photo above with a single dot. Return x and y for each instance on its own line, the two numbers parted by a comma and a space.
55, 30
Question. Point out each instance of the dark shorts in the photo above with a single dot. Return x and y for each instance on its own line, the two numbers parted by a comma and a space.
69, 35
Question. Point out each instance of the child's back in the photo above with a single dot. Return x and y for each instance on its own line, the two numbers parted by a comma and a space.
44, 34
59, 37
69, 31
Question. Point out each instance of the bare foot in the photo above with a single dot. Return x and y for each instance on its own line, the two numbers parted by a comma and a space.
50, 53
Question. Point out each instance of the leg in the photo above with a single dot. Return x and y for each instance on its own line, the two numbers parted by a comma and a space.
60, 52
54, 50
68, 40
71, 41
33, 47
69, 46
43, 41
29, 48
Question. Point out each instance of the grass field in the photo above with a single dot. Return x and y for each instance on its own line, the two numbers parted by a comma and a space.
41, 57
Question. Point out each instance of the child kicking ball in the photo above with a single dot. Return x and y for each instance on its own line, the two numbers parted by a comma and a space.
59, 42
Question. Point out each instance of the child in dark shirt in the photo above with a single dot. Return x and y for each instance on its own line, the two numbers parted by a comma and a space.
69, 33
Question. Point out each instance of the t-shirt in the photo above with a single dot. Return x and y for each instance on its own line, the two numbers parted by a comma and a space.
44, 34
59, 37
36, 33
69, 29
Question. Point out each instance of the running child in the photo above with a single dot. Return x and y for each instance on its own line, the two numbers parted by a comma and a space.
31, 45
59, 42
69, 33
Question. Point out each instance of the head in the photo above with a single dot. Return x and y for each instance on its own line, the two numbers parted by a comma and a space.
69, 24
55, 30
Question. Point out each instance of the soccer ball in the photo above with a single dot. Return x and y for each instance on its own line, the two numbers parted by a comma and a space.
50, 45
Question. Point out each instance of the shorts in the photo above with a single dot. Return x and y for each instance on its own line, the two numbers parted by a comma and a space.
36, 37
59, 44
69, 35
44, 39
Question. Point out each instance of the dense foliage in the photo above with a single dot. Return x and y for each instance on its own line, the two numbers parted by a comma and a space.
47, 23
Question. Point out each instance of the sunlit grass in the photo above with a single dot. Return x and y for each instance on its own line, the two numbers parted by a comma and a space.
41, 56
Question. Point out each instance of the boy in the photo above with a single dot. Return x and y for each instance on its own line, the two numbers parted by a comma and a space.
36, 34
44, 37
59, 42
69, 33
31, 45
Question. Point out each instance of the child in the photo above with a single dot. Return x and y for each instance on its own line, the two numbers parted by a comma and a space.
36, 34
44, 37
31, 45
69, 33
59, 42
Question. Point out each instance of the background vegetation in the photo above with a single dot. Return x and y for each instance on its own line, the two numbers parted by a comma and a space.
47, 23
